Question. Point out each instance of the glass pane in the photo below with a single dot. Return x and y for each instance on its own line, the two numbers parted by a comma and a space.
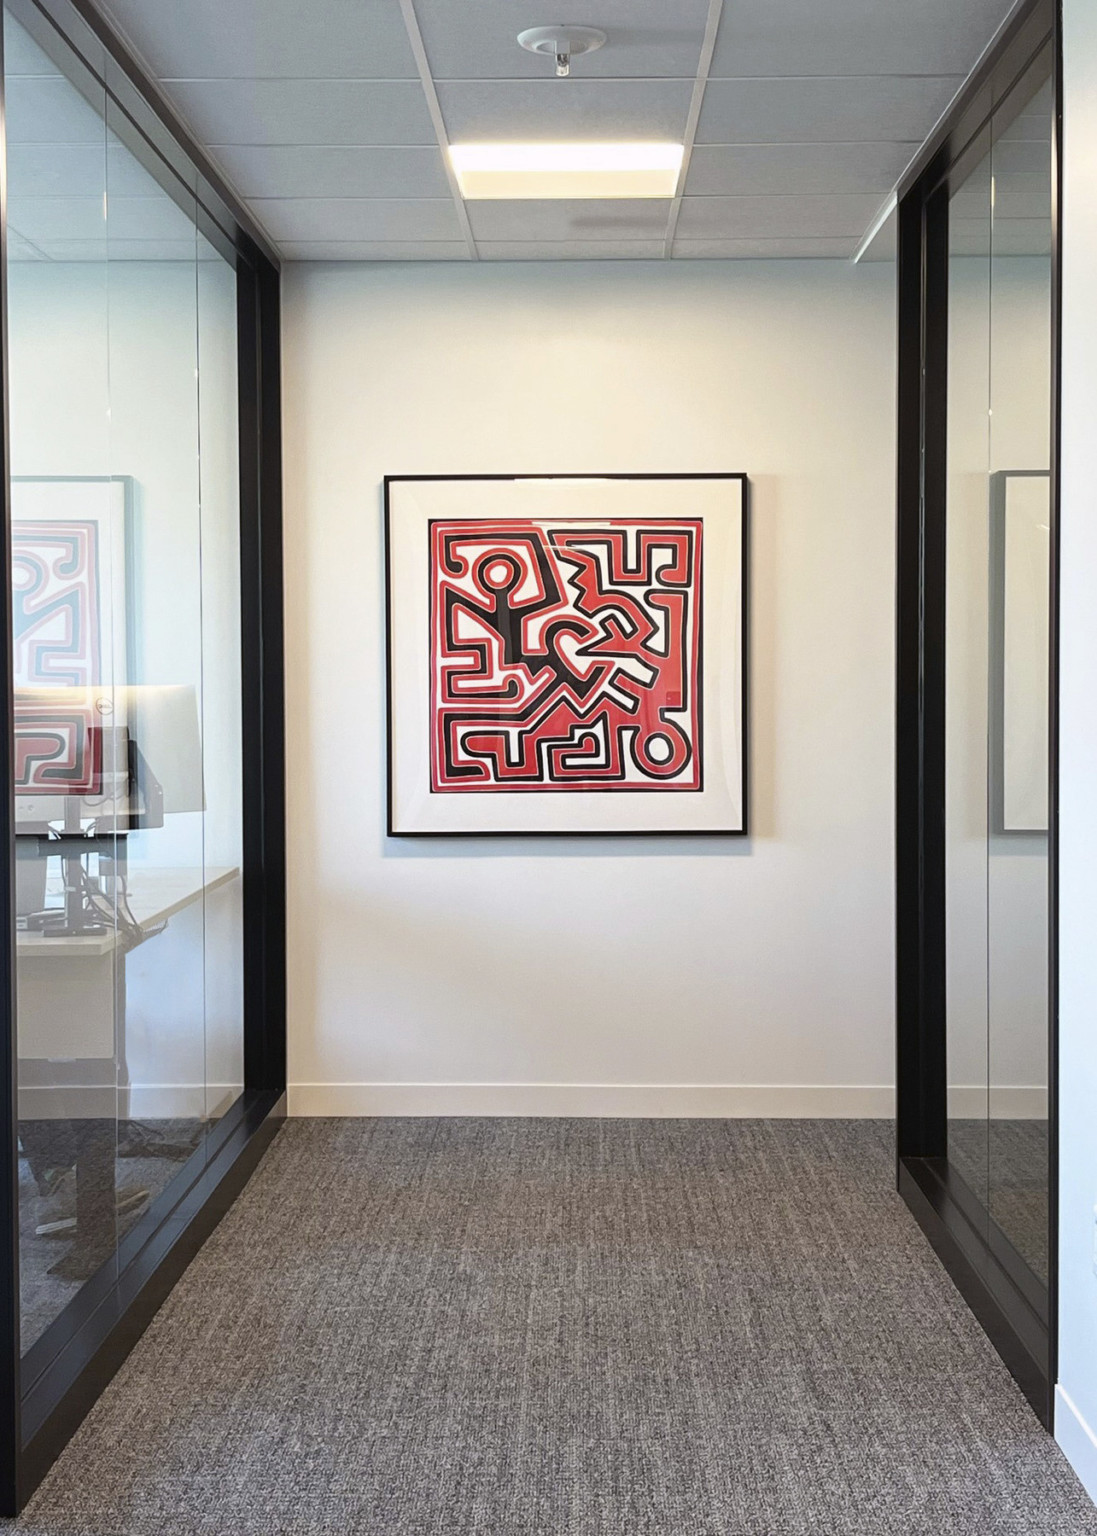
218, 417
69, 635
1020, 522
966, 608
125, 498
159, 881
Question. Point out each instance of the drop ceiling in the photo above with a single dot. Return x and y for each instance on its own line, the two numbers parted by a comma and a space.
331, 118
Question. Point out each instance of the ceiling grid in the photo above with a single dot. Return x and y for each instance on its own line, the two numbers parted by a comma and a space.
332, 120
704, 64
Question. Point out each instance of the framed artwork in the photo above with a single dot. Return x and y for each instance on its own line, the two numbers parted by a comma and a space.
71, 620
567, 654
1020, 610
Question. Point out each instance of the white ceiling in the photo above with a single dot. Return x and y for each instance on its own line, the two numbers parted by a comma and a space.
805, 113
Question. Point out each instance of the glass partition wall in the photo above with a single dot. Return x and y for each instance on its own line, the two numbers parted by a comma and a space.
144, 805
978, 342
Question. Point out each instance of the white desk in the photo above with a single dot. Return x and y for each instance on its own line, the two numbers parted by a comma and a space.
71, 990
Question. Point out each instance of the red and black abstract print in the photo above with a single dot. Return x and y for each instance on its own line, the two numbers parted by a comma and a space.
565, 655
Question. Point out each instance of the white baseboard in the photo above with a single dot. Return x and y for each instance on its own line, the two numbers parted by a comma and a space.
1077, 1441
1005, 1101
139, 1101
643, 1101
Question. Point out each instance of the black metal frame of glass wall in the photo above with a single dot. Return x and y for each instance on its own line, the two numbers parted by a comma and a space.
45, 1393
1017, 1312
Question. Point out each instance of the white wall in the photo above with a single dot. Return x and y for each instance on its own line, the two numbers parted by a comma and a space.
421, 972
1076, 1416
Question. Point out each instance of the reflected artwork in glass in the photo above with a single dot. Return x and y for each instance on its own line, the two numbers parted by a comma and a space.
997, 671
124, 452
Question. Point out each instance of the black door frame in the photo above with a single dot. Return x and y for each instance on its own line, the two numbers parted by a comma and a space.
45, 1392
1017, 1312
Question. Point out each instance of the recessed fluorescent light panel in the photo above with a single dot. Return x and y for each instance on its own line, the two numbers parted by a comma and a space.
566, 170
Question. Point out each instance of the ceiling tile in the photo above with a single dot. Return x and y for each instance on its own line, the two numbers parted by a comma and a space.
49, 111
335, 218
22, 250
22, 56
1022, 197
267, 39
765, 249
585, 219
77, 170
81, 218
732, 218
812, 111
291, 170
1012, 237
374, 250
304, 111
570, 250
1034, 122
737, 169
477, 40
852, 37
550, 109
119, 250
147, 218
56, 170
49, 218
1022, 237
1028, 157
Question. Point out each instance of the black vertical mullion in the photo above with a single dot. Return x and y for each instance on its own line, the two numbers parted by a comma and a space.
10, 1383
909, 1076
263, 717
935, 333
920, 1077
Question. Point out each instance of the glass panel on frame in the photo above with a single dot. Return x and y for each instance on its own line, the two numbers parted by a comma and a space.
966, 610
127, 646
1020, 575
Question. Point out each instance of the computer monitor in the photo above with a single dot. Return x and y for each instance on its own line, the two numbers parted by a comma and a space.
105, 761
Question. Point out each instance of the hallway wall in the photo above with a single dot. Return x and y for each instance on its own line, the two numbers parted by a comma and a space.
646, 976
1076, 1397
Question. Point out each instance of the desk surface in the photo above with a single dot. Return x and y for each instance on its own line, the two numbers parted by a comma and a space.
155, 895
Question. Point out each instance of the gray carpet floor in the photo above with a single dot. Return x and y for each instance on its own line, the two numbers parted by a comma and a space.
1005, 1164
564, 1328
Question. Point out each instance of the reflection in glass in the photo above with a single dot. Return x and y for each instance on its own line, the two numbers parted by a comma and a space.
1020, 572
127, 672
966, 663
997, 683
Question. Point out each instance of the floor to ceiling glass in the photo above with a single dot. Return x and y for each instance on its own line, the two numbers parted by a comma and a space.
998, 540
125, 558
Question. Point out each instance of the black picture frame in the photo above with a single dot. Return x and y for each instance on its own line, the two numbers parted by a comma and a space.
45, 1392
742, 831
999, 503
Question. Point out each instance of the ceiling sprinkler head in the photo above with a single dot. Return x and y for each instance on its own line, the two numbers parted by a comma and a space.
563, 42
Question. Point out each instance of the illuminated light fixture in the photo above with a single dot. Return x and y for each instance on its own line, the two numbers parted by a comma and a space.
566, 170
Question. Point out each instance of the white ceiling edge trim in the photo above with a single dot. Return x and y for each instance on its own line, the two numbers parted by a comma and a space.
887, 208
893, 198
704, 63
426, 80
